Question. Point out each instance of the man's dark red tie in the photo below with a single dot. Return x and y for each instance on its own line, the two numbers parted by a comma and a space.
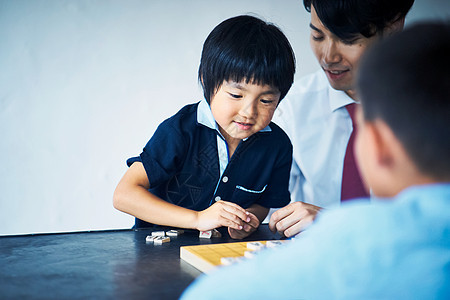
352, 185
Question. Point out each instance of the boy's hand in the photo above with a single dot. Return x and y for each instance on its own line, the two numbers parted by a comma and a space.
222, 213
248, 228
293, 218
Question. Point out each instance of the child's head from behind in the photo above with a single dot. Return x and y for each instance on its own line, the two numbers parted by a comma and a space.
404, 83
249, 63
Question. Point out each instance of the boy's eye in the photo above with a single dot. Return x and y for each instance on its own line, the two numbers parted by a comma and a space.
266, 101
317, 38
235, 96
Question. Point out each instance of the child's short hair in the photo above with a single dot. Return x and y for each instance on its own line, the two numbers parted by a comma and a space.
246, 47
348, 18
405, 81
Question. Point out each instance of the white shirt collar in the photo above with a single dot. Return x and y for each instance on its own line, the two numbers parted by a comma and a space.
205, 116
338, 99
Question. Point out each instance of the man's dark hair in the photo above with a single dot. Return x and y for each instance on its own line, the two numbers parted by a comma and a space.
405, 81
349, 18
246, 48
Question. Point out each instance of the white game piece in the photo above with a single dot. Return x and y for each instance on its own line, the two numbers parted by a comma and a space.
205, 234
150, 239
174, 232
250, 254
159, 240
226, 261
273, 244
216, 233
255, 245
158, 233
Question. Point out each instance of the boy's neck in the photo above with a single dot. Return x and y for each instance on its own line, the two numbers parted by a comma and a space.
232, 143
232, 146
399, 185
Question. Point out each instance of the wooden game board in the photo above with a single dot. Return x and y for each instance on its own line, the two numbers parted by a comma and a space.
206, 257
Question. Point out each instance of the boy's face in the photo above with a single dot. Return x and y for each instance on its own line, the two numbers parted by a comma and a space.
242, 109
339, 59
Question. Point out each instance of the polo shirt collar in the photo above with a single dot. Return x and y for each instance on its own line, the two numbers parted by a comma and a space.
206, 118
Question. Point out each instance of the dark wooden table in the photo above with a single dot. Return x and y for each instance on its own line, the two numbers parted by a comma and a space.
100, 265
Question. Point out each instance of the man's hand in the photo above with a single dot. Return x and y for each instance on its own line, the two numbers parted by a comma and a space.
293, 218
222, 213
248, 228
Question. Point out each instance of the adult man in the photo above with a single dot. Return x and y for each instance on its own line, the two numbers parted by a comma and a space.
316, 114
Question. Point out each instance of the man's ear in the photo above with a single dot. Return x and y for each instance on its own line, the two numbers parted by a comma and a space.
394, 27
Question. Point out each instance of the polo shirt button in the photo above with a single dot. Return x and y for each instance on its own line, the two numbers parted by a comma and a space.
225, 179
218, 198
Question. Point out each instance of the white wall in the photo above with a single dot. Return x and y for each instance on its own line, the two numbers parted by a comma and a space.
83, 85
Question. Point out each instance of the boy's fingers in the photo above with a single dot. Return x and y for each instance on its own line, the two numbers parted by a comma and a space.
236, 234
231, 220
236, 210
231, 224
252, 225
254, 222
247, 227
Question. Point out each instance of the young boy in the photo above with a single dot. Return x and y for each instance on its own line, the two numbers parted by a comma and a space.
220, 162
398, 247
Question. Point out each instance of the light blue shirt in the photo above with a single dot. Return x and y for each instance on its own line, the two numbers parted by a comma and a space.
390, 249
314, 117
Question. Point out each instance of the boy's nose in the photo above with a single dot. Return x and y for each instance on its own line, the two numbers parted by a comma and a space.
248, 109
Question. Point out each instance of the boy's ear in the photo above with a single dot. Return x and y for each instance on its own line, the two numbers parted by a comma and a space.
394, 168
378, 158
384, 143
391, 157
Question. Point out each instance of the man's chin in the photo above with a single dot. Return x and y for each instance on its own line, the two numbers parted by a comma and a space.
340, 86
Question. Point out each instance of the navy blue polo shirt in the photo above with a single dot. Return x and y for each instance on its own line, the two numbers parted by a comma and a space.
187, 163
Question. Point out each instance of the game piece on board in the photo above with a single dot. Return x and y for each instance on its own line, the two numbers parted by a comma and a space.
226, 261
255, 245
158, 233
250, 254
273, 244
159, 240
205, 234
207, 257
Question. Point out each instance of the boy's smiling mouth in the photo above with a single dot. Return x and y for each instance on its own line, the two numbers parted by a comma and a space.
243, 126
